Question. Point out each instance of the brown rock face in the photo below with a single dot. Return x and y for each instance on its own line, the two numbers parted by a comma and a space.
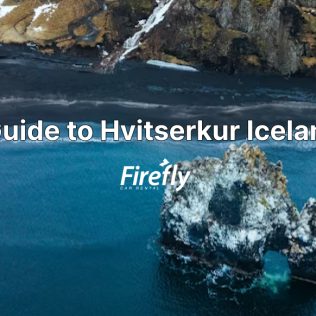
66, 23
226, 35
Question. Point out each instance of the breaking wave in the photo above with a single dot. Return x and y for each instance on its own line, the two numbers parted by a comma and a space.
194, 145
274, 279
65, 102
55, 100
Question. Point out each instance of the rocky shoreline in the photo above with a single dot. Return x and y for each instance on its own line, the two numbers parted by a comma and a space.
274, 36
233, 211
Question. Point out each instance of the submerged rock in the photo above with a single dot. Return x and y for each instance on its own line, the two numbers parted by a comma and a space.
232, 211
227, 35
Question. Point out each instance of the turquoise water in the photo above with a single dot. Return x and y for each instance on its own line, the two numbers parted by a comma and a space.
276, 272
73, 243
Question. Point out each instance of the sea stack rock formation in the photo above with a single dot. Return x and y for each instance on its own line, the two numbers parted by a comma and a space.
302, 253
227, 35
232, 211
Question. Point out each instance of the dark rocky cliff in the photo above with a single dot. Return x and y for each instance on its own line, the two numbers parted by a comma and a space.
226, 35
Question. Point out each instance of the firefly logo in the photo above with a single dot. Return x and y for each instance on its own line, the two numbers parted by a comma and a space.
134, 177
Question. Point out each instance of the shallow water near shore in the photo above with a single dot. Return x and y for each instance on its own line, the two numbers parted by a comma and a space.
73, 243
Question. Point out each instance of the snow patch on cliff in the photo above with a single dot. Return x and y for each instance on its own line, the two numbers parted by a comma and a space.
154, 19
5, 9
163, 64
47, 9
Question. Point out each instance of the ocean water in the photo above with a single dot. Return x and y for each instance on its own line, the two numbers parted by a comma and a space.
73, 243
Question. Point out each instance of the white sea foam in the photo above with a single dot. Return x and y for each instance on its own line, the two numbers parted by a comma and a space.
293, 105
191, 109
66, 102
194, 146
65, 139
